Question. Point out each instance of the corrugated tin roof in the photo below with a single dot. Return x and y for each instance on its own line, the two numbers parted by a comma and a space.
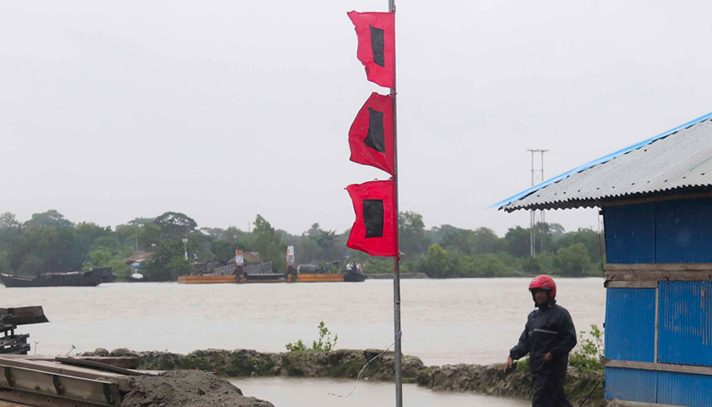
677, 158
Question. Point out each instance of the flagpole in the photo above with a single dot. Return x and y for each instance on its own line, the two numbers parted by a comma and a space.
396, 266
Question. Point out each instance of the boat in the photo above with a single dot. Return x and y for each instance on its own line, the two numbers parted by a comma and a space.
88, 278
355, 276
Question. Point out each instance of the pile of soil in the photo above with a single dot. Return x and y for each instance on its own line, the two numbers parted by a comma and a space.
187, 388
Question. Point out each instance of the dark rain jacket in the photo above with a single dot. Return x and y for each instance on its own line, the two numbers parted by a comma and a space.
548, 329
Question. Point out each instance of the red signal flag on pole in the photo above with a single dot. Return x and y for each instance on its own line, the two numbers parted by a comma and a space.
377, 46
371, 134
374, 231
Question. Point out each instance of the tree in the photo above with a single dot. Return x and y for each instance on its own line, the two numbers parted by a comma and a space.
4, 261
148, 234
48, 248
100, 257
589, 238
8, 221
222, 250
557, 231
51, 218
411, 234
140, 221
175, 224
435, 263
518, 240
10, 234
139, 237
489, 265
87, 233
268, 242
460, 240
486, 241
573, 261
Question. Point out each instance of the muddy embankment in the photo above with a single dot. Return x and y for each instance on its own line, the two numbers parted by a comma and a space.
488, 380
186, 388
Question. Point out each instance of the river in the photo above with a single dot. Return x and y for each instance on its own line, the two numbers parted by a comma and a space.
444, 321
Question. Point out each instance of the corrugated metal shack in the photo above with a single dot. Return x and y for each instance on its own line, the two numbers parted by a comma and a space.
656, 200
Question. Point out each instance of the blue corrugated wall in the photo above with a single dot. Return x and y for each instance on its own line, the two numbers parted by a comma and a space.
650, 386
685, 323
630, 324
683, 231
682, 389
630, 233
631, 384
660, 232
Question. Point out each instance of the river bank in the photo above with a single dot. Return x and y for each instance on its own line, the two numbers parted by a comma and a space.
489, 380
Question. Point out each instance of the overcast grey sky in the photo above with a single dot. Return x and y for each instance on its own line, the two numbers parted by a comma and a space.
226, 109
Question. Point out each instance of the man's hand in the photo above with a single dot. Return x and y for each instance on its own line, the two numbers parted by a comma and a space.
508, 365
548, 357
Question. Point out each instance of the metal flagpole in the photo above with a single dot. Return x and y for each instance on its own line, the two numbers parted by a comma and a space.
396, 266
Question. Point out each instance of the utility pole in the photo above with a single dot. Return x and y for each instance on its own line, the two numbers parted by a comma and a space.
536, 217
396, 261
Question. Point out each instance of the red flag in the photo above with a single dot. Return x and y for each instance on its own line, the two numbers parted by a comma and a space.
374, 231
377, 46
371, 134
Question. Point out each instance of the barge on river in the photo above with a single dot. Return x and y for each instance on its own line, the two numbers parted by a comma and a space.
262, 273
87, 278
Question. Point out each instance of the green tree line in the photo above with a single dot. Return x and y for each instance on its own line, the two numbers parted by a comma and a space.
48, 242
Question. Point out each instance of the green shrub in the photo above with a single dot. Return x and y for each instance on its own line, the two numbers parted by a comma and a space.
323, 344
588, 354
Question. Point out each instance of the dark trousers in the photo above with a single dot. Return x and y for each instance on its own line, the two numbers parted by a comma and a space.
549, 391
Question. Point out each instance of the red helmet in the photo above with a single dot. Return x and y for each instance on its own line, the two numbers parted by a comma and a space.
544, 282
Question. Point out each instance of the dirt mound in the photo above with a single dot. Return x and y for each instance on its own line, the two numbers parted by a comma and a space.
187, 388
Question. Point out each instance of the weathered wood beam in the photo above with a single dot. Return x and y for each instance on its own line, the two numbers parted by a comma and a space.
658, 276
658, 198
659, 267
630, 284
621, 403
47, 384
660, 367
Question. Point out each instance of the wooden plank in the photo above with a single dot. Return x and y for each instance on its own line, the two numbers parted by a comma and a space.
24, 315
127, 362
10, 404
38, 400
631, 284
97, 392
58, 368
28, 357
622, 403
94, 364
658, 276
660, 367
659, 198
659, 267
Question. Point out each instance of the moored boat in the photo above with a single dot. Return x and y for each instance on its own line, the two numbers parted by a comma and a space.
88, 278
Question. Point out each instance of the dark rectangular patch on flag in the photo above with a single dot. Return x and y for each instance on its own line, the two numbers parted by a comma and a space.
374, 138
377, 46
373, 217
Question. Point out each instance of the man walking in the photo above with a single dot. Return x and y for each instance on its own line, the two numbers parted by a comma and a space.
548, 337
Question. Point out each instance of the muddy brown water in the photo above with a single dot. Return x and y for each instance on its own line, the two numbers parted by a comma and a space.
315, 392
444, 321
